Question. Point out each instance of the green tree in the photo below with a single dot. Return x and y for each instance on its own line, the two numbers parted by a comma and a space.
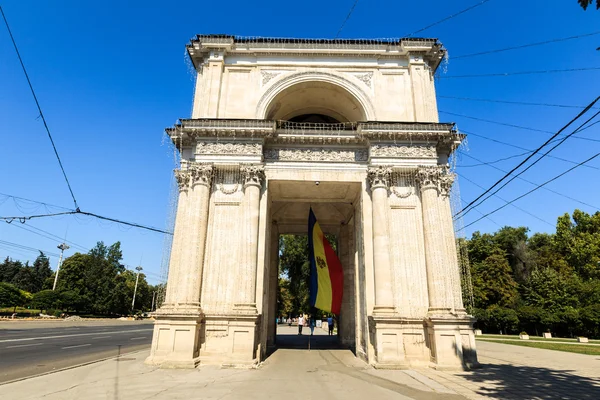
11, 296
294, 265
46, 300
585, 3
493, 283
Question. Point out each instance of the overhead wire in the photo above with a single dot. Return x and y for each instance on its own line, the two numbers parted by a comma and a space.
41, 114
534, 189
48, 235
523, 46
465, 209
522, 103
448, 17
34, 201
546, 71
537, 160
26, 248
347, 18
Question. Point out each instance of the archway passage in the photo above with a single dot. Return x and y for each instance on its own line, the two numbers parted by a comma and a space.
315, 101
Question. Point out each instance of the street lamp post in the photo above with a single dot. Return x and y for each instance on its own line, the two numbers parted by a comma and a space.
62, 247
153, 294
138, 269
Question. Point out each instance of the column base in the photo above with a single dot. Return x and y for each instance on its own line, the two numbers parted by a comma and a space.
452, 342
384, 310
245, 308
176, 338
231, 339
400, 342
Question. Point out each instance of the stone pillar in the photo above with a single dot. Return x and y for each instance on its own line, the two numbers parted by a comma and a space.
253, 176
182, 177
379, 179
199, 196
435, 183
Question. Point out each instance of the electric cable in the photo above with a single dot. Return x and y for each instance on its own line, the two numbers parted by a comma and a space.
346, 20
529, 157
448, 17
534, 189
26, 248
547, 71
39, 108
522, 103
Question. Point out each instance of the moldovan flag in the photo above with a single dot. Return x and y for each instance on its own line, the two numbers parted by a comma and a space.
326, 274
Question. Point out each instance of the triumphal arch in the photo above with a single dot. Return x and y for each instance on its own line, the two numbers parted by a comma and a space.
349, 128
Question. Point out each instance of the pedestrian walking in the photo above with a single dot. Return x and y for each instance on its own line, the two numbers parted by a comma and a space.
311, 323
300, 324
330, 325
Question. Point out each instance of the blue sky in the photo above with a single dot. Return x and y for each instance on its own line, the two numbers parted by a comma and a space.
111, 76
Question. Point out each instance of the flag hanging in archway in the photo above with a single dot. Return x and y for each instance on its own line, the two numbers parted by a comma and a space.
326, 273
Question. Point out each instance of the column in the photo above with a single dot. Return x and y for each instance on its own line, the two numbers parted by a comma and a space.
183, 181
435, 182
253, 176
379, 179
199, 196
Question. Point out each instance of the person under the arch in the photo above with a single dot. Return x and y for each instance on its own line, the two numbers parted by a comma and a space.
326, 273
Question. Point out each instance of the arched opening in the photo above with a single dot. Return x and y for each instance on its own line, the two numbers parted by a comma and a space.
315, 101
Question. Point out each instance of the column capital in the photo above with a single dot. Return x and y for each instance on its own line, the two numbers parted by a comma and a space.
253, 175
183, 178
435, 176
201, 174
379, 177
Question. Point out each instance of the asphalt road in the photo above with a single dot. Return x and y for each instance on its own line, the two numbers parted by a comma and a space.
27, 351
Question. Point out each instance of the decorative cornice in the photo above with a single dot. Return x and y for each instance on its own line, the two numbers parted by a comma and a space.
182, 176
316, 154
253, 175
379, 177
403, 151
228, 148
437, 177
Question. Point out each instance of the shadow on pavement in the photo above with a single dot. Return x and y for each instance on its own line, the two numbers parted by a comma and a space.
500, 381
316, 342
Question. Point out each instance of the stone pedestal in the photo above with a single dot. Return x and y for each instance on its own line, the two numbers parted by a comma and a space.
401, 342
452, 342
176, 340
230, 340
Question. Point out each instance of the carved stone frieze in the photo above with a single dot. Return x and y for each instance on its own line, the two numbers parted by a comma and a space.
201, 174
379, 176
403, 151
229, 148
437, 176
366, 78
252, 174
316, 154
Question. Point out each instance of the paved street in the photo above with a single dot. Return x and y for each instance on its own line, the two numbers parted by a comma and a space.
30, 348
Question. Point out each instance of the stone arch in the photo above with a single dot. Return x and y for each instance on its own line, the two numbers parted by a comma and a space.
329, 94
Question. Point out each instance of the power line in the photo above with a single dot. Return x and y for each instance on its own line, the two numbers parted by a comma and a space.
522, 103
38, 107
525, 45
547, 71
465, 209
534, 189
48, 235
448, 17
26, 248
346, 20
482, 163
536, 161
535, 184
32, 201
529, 150
22, 219
514, 126
505, 201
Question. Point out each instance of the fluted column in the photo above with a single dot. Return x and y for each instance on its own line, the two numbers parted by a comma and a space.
253, 176
440, 250
379, 179
182, 177
193, 262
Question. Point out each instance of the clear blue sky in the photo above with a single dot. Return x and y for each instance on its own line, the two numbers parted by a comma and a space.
111, 76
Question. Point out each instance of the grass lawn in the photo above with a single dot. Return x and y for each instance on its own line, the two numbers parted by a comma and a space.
571, 348
20, 310
531, 337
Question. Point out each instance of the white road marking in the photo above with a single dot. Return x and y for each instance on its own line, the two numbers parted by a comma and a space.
72, 347
23, 345
136, 338
101, 337
77, 334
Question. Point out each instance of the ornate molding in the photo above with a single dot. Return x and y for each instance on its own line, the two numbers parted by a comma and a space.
253, 175
267, 76
182, 176
379, 176
438, 177
403, 151
201, 174
316, 154
229, 148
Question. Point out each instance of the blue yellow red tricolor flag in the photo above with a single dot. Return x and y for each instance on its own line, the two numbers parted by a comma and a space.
326, 274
